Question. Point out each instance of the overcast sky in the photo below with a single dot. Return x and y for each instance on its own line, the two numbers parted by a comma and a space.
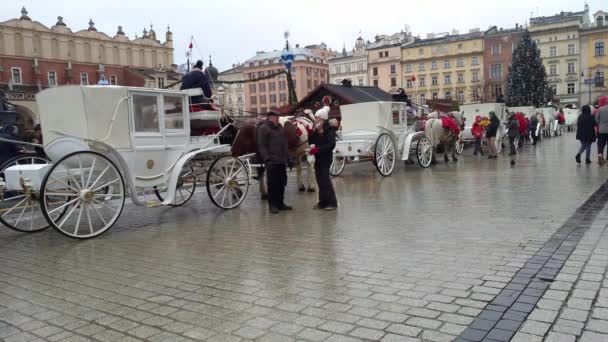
233, 30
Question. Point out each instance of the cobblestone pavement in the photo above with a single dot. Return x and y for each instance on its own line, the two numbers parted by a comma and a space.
423, 255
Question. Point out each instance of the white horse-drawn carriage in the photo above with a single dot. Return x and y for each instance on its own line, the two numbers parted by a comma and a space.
108, 143
470, 111
378, 131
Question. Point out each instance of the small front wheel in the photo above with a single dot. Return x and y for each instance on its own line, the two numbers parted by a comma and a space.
337, 166
227, 182
424, 152
186, 185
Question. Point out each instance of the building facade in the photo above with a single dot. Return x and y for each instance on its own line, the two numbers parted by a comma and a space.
350, 65
308, 70
558, 38
594, 60
384, 60
34, 57
445, 66
498, 47
232, 96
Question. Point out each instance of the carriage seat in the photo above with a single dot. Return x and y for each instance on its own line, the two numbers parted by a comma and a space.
204, 122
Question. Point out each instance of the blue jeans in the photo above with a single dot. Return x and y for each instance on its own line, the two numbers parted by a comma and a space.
585, 146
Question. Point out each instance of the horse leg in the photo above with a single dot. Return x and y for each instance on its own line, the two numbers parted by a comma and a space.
262, 180
309, 167
301, 186
454, 158
445, 152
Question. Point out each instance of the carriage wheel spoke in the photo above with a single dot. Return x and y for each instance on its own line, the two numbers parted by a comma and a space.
89, 218
99, 215
21, 214
64, 205
32, 217
90, 173
15, 207
105, 205
78, 219
100, 175
66, 184
107, 184
69, 214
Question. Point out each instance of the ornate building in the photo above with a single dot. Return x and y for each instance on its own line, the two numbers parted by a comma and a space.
351, 65
232, 96
594, 60
384, 60
34, 57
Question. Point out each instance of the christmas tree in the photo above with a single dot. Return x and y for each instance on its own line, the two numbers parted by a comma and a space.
527, 80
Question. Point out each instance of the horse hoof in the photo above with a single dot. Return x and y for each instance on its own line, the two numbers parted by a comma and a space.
264, 197
301, 189
311, 190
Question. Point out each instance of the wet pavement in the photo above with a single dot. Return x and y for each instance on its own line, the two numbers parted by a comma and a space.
417, 256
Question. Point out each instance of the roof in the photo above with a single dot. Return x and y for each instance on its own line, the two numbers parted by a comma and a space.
354, 94
300, 54
447, 39
236, 69
560, 17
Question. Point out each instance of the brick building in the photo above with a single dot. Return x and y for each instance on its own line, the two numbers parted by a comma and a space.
34, 57
499, 45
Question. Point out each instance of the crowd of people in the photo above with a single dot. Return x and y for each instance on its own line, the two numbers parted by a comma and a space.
592, 126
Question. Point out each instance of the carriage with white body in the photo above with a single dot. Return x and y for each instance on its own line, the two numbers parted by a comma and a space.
107, 143
378, 131
470, 111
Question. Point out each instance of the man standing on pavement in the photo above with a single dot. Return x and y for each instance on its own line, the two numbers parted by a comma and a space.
272, 148
601, 118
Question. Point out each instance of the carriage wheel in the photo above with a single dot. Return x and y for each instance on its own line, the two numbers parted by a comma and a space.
94, 191
20, 209
459, 147
424, 152
186, 185
337, 166
385, 154
227, 182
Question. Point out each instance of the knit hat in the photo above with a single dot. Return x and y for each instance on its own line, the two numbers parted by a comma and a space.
322, 113
199, 64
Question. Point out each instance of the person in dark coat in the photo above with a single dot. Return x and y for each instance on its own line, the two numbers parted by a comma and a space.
491, 133
322, 143
585, 133
8, 150
272, 149
513, 133
533, 127
197, 79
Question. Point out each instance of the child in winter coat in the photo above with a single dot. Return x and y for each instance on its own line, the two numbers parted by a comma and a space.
477, 131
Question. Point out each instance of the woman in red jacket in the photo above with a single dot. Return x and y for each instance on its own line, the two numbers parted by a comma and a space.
477, 131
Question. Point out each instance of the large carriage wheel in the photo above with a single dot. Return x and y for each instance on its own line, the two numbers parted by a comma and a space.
385, 154
227, 182
337, 166
186, 185
424, 152
94, 191
20, 209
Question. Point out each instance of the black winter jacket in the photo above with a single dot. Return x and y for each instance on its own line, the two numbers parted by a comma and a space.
325, 142
197, 79
272, 143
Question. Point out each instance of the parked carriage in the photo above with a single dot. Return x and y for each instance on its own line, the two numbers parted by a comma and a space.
108, 143
470, 111
378, 131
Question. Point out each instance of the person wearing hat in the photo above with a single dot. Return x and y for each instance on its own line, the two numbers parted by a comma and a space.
322, 143
491, 133
197, 79
272, 149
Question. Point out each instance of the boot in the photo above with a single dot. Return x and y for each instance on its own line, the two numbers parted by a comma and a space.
578, 158
587, 161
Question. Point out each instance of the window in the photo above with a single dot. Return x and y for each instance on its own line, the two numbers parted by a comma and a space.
145, 113
393, 82
282, 85
309, 84
263, 109
262, 87
408, 68
409, 83
460, 78
174, 112
283, 97
421, 67
553, 69
571, 89
421, 51
273, 98
448, 79
375, 83
475, 77
496, 90
434, 96
393, 69
434, 80
600, 21
433, 65
422, 99
460, 46
460, 95
114, 80
262, 99
422, 82
360, 81
254, 100
571, 68
599, 49
496, 71
475, 94
474, 60
552, 51
460, 62
52, 78
598, 79
571, 49
496, 49
380, 54
252, 87
446, 63
84, 79
448, 95
553, 88
160, 82
272, 86
260, 74
375, 71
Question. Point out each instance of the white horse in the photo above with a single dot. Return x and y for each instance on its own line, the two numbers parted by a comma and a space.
302, 126
439, 135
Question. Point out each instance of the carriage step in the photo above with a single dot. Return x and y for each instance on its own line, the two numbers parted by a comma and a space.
153, 204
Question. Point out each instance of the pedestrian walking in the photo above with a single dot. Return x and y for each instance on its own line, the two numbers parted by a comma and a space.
601, 119
533, 128
477, 132
272, 148
491, 133
323, 142
513, 134
585, 133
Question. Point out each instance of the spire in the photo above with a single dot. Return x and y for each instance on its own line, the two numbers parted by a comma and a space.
24, 15
60, 21
145, 33
152, 34
169, 34
92, 25
344, 53
210, 63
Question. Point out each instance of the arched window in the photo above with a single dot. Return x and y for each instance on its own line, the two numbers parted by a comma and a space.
600, 21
